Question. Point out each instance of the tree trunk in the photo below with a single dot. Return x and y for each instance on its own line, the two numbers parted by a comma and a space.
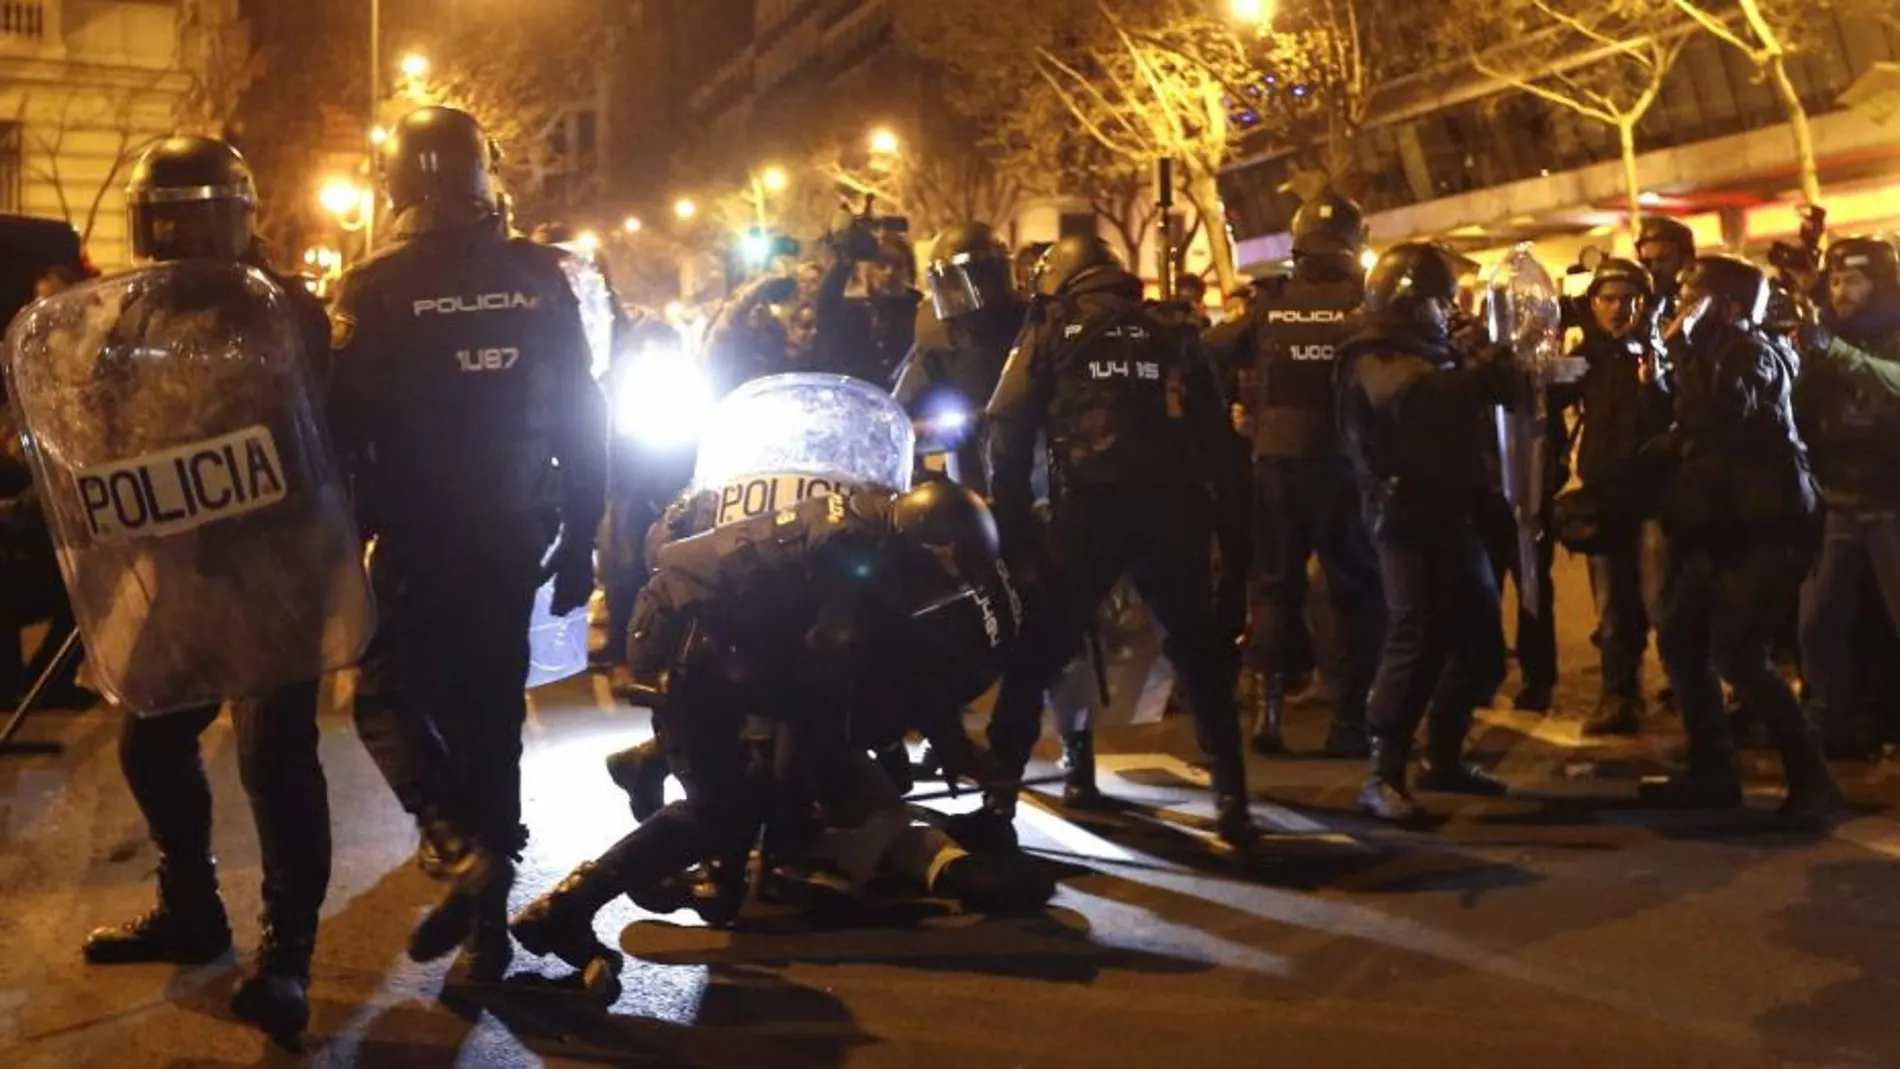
1632, 182
1798, 125
1204, 190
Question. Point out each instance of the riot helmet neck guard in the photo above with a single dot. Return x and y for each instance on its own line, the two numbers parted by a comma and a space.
436, 169
1736, 290
1414, 288
190, 198
1071, 260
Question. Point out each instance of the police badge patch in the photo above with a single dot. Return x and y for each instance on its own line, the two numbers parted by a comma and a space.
342, 331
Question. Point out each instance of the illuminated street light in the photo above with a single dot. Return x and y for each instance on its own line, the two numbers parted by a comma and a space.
756, 244
339, 197
631, 224
1257, 13
775, 179
884, 142
588, 241
378, 136
684, 208
415, 65
1368, 259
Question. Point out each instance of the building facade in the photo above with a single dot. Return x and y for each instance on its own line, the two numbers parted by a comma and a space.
88, 85
1454, 156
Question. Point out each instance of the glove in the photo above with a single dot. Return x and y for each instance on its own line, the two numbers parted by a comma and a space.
1494, 367
572, 569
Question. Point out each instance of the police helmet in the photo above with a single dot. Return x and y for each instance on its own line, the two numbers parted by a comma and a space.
969, 270
1733, 280
1668, 231
1407, 276
190, 197
945, 516
1069, 260
1331, 225
1871, 256
1616, 269
438, 158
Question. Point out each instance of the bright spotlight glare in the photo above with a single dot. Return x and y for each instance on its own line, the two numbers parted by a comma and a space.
1368, 259
663, 398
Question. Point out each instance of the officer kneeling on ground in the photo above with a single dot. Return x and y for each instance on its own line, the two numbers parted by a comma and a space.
464, 396
1848, 403
1139, 460
779, 619
1415, 411
1740, 515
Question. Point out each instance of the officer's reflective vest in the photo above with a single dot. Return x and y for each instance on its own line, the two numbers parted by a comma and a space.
1300, 330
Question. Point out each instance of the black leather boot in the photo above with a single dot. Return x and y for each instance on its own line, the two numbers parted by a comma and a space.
561, 923
641, 772
441, 851
1233, 820
274, 995
1078, 762
187, 927
1269, 713
1616, 714
1813, 800
1385, 794
470, 893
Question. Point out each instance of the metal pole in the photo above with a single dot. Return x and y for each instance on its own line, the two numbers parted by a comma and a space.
375, 107
1164, 233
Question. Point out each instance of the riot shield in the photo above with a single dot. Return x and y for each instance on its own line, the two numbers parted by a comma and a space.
1523, 308
201, 524
778, 440
557, 645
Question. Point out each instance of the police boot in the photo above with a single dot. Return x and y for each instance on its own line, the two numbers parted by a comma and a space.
561, 923
1347, 739
1385, 794
1233, 820
471, 889
187, 927
1446, 770
487, 952
641, 772
1078, 763
1813, 800
441, 851
1269, 710
1616, 714
275, 994
1533, 697
995, 889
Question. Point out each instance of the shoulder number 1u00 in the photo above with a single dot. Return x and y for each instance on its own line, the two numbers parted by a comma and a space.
487, 359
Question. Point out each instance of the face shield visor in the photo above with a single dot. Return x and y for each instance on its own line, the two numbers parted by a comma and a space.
206, 223
965, 283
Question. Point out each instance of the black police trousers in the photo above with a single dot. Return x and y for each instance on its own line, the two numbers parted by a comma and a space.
1721, 612
1304, 507
1536, 642
277, 762
1444, 643
1160, 536
440, 696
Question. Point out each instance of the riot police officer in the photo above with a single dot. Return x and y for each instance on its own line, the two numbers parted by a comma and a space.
193, 198
1136, 430
464, 397
1665, 247
1306, 500
780, 618
1414, 410
1848, 403
958, 357
1740, 514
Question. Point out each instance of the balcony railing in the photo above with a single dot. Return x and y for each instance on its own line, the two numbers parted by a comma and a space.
23, 19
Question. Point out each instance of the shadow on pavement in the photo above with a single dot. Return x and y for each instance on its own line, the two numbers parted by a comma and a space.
1847, 917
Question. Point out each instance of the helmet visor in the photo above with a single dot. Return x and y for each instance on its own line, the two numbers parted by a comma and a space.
963, 284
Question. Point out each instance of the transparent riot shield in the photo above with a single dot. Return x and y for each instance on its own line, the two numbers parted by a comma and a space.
201, 523
1523, 307
776, 441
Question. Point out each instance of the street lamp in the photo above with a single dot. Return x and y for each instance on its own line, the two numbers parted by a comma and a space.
415, 65
775, 179
684, 209
1257, 13
379, 135
631, 224
884, 142
588, 241
339, 197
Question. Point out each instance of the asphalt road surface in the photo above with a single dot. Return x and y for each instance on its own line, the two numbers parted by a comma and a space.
1561, 926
